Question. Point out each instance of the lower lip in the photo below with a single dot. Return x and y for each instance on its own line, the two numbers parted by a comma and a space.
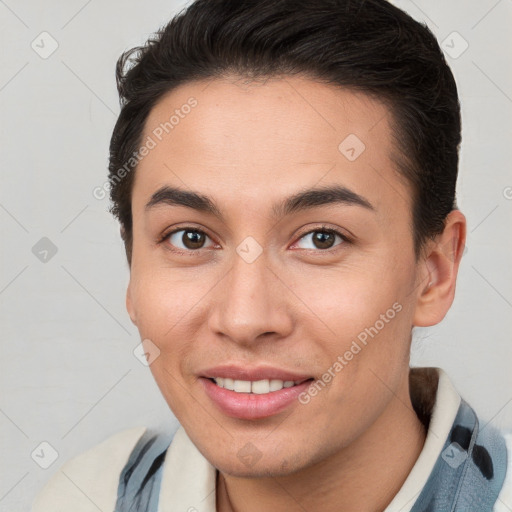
252, 406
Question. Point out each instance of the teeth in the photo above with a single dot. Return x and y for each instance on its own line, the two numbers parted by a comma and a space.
228, 383
242, 386
276, 385
258, 387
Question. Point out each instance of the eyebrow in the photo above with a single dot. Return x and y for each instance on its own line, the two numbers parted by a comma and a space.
303, 200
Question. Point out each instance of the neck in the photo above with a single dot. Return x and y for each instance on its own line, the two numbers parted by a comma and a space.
365, 475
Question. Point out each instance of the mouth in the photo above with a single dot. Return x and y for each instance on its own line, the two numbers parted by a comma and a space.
257, 387
252, 395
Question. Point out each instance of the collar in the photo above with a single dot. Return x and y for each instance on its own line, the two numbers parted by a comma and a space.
188, 479
442, 414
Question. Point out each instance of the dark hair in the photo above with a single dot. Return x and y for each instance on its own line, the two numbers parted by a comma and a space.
368, 46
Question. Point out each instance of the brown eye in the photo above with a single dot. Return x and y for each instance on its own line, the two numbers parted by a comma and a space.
193, 239
188, 239
322, 239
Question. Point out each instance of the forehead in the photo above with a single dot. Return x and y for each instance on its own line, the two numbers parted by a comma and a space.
268, 139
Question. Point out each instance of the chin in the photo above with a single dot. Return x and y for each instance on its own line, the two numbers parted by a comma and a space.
260, 470
256, 465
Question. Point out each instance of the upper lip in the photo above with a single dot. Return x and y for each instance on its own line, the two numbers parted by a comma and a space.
253, 373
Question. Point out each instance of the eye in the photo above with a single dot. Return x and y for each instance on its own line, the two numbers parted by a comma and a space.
323, 238
187, 239
190, 239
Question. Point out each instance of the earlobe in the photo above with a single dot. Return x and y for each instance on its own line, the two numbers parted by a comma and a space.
436, 289
129, 304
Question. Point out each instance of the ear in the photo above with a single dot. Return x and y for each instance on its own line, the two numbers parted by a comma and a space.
438, 272
129, 304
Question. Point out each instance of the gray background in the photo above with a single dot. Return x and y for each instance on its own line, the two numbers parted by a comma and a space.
68, 373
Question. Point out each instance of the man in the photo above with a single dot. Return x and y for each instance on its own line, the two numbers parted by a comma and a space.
284, 174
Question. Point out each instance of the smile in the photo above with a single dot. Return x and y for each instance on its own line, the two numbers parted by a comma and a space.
253, 399
258, 387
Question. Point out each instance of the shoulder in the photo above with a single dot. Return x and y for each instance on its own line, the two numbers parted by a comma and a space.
504, 501
89, 481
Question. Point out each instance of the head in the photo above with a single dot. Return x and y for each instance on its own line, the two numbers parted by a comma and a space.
284, 175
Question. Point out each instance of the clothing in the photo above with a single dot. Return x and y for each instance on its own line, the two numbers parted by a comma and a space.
460, 455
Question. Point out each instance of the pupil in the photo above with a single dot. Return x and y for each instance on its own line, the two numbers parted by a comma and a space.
323, 239
193, 239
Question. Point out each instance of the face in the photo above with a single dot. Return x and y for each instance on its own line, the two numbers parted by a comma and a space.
242, 287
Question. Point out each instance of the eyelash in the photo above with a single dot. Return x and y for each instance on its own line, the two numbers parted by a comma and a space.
323, 229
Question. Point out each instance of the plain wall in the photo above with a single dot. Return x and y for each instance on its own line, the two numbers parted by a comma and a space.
68, 374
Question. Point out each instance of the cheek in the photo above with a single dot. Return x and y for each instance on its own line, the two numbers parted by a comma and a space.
165, 299
349, 298
363, 321
170, 312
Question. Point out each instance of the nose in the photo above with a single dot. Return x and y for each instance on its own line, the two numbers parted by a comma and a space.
250, 304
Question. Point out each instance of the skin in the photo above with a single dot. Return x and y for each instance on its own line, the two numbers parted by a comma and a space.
297, 306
